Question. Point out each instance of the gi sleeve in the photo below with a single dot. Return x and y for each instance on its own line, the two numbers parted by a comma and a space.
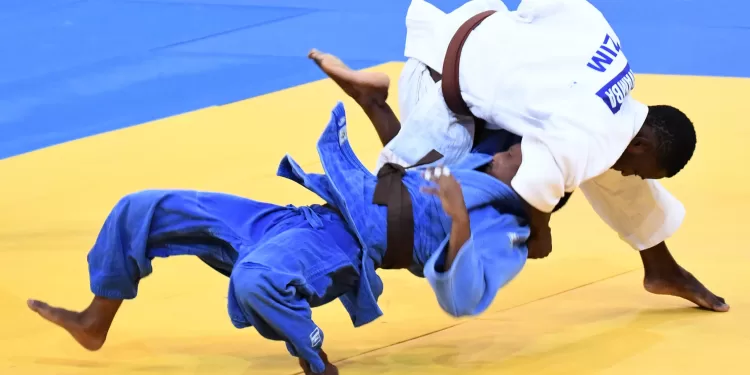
494, 254
642, 212
540, 180
568, 141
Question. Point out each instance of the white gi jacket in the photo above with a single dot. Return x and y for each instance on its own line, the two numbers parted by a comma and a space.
554, 73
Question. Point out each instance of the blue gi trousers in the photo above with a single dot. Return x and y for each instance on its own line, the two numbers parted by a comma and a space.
281, 260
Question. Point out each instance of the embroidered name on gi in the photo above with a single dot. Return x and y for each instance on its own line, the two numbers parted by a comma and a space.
605, 54
616, 90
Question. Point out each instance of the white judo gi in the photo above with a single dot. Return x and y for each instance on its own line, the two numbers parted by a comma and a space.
554, 73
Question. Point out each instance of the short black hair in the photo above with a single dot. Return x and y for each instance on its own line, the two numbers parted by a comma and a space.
676, 136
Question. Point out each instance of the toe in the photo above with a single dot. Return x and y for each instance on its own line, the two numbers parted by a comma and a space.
315, 55
719, 305
35, 305
710, 301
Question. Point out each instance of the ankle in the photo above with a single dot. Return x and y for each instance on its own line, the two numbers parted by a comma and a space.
99, 314
664, 274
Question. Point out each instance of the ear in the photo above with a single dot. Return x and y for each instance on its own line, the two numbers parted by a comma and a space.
639, 145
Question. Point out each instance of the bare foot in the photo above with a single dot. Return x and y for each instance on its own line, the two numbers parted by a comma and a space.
330, 368
364, 87
684, 285
82, 326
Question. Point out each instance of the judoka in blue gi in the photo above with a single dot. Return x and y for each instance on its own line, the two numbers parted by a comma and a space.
467, 241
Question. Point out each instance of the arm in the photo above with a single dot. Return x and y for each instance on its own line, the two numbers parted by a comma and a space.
472, 264
452, 200
460, 234
540, 183
570, 140
539, 225
493, 254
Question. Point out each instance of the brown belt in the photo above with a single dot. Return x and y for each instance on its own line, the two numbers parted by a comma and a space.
450, 83
390, 189
391, 192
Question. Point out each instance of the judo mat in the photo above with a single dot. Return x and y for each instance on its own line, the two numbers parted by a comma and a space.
102, 98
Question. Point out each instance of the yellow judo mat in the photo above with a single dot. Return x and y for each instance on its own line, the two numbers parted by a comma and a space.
583, 310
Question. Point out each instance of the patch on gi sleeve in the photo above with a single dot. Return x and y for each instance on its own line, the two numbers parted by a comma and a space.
342, 134
516, 239
316, 338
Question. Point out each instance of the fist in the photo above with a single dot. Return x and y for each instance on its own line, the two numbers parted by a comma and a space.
539, 244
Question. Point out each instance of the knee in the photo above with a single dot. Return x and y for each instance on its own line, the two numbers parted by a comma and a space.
139, 203
253, 286
141, 197
135, 198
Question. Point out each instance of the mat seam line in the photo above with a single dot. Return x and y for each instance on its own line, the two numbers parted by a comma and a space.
225, 32
479, 319
224, 5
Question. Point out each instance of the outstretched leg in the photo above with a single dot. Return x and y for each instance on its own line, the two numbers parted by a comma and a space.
143, 226
664, 276
368, 89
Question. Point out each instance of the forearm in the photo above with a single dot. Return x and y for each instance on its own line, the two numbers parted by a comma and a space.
538, 220
539, 243
460, 233
466, 278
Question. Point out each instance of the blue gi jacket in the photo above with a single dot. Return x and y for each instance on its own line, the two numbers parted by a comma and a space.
492, 257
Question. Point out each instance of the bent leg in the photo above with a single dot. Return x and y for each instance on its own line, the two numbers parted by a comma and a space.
274, 287
151, 224
427, 123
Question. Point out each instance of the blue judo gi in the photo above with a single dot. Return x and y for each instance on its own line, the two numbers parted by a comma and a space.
284, 260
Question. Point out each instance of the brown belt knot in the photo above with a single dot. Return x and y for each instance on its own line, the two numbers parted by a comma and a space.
391, 191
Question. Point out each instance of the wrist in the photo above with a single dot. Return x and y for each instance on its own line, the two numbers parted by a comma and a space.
538, 220
539, 227
461, 218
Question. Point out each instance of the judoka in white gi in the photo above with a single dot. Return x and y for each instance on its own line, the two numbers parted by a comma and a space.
468, 241
554, 77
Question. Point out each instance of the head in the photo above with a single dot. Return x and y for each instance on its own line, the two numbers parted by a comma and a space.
504, 167
662, 147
